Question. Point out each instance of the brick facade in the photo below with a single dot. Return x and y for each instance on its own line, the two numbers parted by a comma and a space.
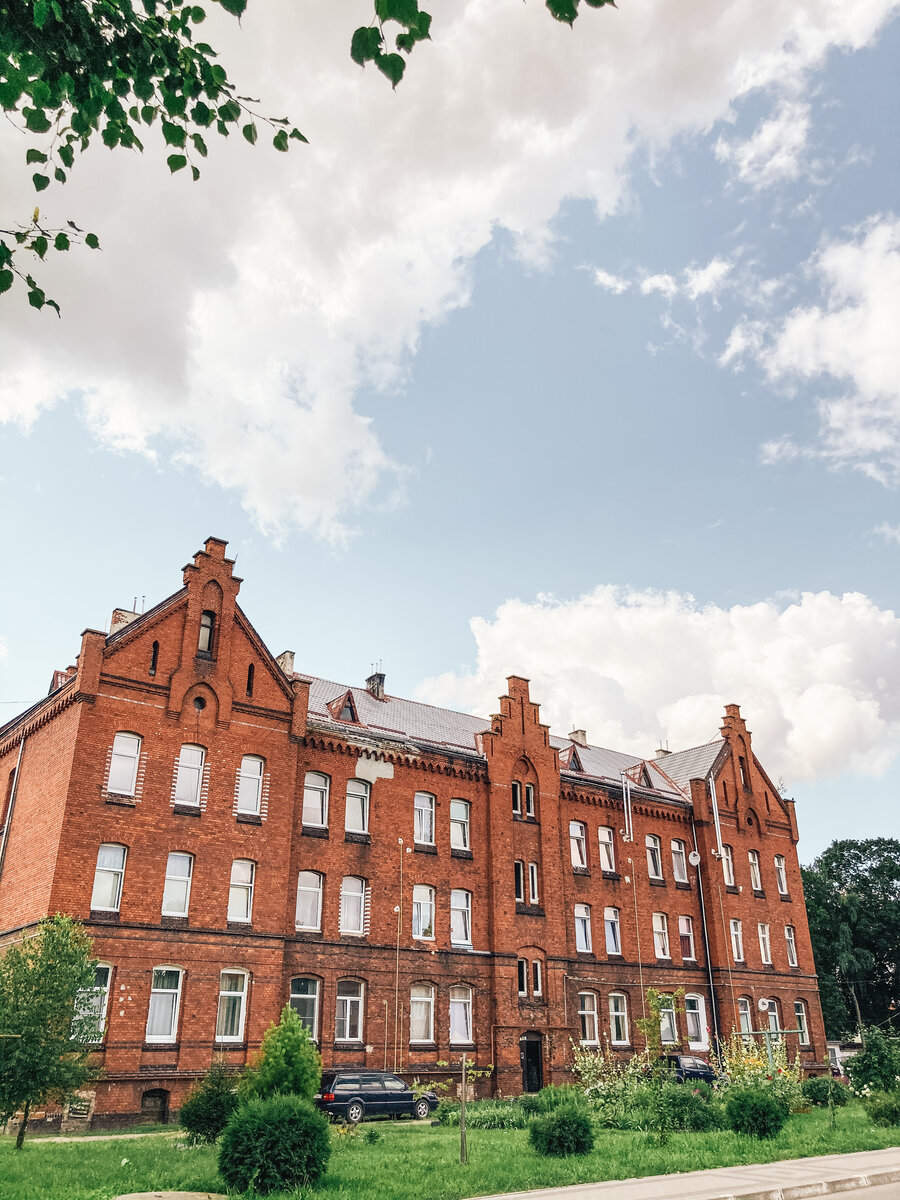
523, 787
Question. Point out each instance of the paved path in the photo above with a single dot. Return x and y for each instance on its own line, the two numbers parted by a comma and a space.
107, 1137
793, 1179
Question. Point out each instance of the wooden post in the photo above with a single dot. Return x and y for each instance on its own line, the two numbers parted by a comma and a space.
463, 1149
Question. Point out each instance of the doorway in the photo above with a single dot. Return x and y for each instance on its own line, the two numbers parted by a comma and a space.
155, 1106
530, 1053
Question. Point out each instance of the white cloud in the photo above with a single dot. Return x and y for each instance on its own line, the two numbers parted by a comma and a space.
666, 285
708, 280
611, 283
890, 533
817, 678
231, 324
776, 150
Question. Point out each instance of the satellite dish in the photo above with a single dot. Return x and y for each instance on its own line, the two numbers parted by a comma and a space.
694, 858
762, 1005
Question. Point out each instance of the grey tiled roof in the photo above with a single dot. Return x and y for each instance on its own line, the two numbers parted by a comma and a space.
685, 765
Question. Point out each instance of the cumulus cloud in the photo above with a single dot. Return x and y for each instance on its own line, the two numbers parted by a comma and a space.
817, 677
890, 533
610, 283
776, 150
231, 325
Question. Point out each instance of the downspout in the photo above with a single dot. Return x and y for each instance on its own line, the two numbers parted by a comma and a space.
720, 853
712, 991
12, 805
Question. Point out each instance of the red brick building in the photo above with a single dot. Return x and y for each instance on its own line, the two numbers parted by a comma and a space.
417, 882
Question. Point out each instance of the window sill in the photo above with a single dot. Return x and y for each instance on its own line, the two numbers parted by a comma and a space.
731, 889
314, 831
186, 810
356, 939
581, 871
169, 1047
529, 910
422, 1047
784, 897
614, 876
238, 926
456, 852
308, 934
248, 819
615, 958
759, 894
354, 1047
102, 917
769, 967
167, 922
682, 885
530, 820
424, 848
220, 1045
656, 882
586, 956
664, 960
121, 801
357, 839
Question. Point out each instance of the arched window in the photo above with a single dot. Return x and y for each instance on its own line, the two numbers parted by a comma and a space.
516, 798
578, 845
612, 930
728, 865
802, 1022
459, 824
661, 935
460, 917
356, 807
348, 1021
519, 881
92, 1003
315, 800
251, 671
421, 1013
154, 658
304, 1001
781, 875
654, 856
249, 784
755, 876
309, 900
240, 891
189, 775
177, 888
745, 1014
607, 852
206, 641
123, 764
460, 1015
232, 1006
790, 940
679, 861
583, 928
108, 878
668, 1027
695, 1018
353, 905
424, 819
165, 998
423, 912
618, 1019
587, 1016
529, 800
773, 1015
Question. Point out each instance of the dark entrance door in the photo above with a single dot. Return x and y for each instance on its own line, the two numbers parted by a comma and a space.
532, 1065
155, 1106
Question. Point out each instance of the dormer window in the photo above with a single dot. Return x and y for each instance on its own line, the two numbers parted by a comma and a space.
207, 634
344, 709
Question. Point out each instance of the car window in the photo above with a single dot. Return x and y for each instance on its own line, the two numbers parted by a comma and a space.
347, 1083
372, 1084
393, 1084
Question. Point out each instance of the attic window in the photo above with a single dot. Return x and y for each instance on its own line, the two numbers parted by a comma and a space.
348, 709
154, 658
645, 779
575, 761
207, 634
251, 671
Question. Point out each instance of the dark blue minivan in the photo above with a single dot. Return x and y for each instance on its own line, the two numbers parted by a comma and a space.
355, 1095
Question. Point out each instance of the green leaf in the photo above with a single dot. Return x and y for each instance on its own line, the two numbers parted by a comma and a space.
563, 10
41, 12
195, 172
249, 132
197, 15
176, 162
280, 140
199, 144
143, 87
391, 65
175, 135
67, 156
36, 298
404, 11
33, 156
229, 111
235, 7
61, 242
295, 133
6, 281
53, 304
59, 175
35, 121
365, 44
148, 114
92, 241
40, 182
201, 114
40, 246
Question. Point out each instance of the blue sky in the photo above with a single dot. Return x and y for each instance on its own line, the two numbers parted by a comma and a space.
595, 356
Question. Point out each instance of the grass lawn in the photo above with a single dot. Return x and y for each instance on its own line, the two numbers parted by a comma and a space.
419, 1162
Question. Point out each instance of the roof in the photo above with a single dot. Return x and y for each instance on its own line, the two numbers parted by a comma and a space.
696, 763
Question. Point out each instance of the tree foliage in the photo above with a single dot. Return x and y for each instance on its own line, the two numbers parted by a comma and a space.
210, 1104
75, 70
853, 902
48, 1028
288, 1062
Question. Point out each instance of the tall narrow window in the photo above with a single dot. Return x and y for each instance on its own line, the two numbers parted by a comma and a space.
516, 798
424, 823
791, 942
667, 1026
661, 935
583, 928
240, 892
309, 900
108, 878
679, 861
745, 778
421, 1013
177, 889
781, 875
537, 978
611, 928
737, 940
695, 1018
529, 799
232, 1006
460, 1015
654, 856
315, 800
577, 845
519, 880
522, 976
206, 641
773, 1015
154, 658
348, 1023
249, 784
356, 809
533, 896
728, 865
459, 824
686, 938
802, 1023
587, 1017
165, 996
755, 876
92, 1003
618, 1019
607, 853
353, 905
765, 944
461, 917
423, 912
745, 1015
189, 775
251, 671
123, 765
304, 1001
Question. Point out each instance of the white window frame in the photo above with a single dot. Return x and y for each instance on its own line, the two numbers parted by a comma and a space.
781, 875
312, 1026
695, 1013
125, 757
460, 824
180, 880
516, 798
612, 930
537, 977
353, 897
668, 1022
116, 874
578, 845
316, 792
774, 1022
423, 808
188, 784
790, 938
654, 856
686, 930
529, 799
728, 865
618, 1019
230, 994
522, 976
661, 947
519, 880
679, 860
172, 1036
755, 873
588, 1018
357, 797
460, 917
461, 1001
745, 1015
800, 1017
606, 847
425, 1002
347, 1006
533, 893
736, 928
243, 887
583, 928
250, 784
304, 886
765, 943
423, 912
93, 1002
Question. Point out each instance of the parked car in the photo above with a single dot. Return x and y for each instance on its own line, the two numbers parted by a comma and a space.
354, 1096
684, 1067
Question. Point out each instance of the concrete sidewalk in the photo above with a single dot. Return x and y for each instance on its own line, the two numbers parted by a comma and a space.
792, 1179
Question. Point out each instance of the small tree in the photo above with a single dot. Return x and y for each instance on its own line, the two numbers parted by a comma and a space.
46, 985
651, 1027
288, 1062
209, 1106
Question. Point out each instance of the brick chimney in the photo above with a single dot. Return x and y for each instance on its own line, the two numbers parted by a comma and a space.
579, 737
375, 685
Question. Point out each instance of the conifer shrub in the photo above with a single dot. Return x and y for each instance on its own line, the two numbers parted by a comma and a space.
562, 1132
755, 1111
274, 1143
288, 1062
209, 1104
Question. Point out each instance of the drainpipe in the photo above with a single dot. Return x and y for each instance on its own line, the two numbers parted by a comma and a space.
712, 991
12, 805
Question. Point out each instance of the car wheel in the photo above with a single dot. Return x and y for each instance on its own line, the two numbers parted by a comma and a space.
355, 1112
422, 1109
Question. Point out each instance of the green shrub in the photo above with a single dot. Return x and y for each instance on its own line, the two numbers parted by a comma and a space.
531, 1104
755, 1111
371, 1135
274, 1144
484, 1114
816, 1091
288, 1062
562, 1132
209, 1104
883, 1108
447, 1112
877, 1068
688, 1109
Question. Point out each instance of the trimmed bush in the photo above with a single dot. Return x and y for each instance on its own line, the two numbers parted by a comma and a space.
209, 1105
755, 1111
562, 1132
274, 1144
689, 1110
816, 1091
883, 1108
288, 1062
